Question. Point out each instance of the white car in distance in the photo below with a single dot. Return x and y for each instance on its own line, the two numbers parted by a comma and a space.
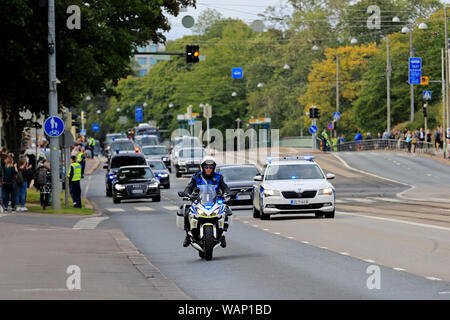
293, 185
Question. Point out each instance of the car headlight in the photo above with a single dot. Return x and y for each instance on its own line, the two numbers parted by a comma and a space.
153, 185
182, 163
165, 159
327, 191
271, 193
163, 175
119, 187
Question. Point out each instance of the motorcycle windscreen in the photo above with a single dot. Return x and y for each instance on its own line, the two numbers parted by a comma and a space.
208, 195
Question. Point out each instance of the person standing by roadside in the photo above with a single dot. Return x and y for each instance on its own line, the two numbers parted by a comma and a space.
74, 176
1, 185
23, 176
9, 184
81, 159
408, 139
421, 137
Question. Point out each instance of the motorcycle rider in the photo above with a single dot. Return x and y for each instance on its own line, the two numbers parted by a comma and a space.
207, 176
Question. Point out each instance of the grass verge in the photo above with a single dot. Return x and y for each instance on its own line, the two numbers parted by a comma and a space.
33, 201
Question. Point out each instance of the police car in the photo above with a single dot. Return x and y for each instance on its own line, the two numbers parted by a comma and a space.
292, 185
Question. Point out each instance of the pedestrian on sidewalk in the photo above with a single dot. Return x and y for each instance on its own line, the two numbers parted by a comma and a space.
74, 181
9, 184
42, 182
81, 159
23, 176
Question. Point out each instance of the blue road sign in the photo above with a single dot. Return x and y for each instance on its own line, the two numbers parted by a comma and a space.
82, 132
191, 122
95, 127
139, 114
427, 95
330, 126
415, 70
54, 127
313, 129
336, 115
237, 73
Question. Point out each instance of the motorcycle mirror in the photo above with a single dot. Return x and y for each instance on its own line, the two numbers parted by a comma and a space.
181, 194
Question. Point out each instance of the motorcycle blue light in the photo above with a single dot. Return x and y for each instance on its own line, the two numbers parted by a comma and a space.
220, 201
208, 207
117, 150
293, 177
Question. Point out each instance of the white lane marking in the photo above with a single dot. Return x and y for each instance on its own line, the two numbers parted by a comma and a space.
399, 269
115, 209
305, 242
398, 221
170, 207
340, 201
266, 229
144, 209
390, 200
291, 238
245, 221
42, 289
344, 253
277, 233
434, 279
428, 174
369, 261
255, 225
326, 248
363, 200
444, 292
89, 223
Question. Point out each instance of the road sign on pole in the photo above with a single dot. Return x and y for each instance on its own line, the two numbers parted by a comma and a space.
54, 127
95, 127
139, 114
427, 95
237, 73
415, 70
313, 129
336, 115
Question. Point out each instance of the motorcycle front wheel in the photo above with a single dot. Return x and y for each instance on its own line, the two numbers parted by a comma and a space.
208, 237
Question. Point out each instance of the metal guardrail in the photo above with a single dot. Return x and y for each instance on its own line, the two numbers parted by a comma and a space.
389, 144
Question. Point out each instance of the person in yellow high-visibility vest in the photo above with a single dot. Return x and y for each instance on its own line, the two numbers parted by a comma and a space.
92, 146
74, 176
81, 159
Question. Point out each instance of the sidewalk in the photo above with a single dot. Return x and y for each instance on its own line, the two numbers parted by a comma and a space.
91, 165
35, 261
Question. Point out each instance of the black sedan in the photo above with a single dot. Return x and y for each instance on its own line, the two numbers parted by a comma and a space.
136, 182
239, 178
157, 152
117, 161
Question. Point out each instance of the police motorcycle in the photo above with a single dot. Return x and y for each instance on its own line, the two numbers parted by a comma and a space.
207, 220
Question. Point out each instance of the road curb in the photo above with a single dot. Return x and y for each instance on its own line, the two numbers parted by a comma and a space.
166, 288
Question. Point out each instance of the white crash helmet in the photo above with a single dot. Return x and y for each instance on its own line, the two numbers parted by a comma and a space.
208, 160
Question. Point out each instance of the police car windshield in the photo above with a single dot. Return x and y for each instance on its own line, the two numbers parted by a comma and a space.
135, 173
110, 137
158, 165
192, 153
122, 146
294, 171
239, 174
154, 151
123, 161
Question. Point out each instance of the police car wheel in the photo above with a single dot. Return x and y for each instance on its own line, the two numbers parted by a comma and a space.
329, 215
264, 216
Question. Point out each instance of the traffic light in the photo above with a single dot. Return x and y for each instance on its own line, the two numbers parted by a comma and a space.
75, 123
425, 110
311, 113
192, 54
316, 113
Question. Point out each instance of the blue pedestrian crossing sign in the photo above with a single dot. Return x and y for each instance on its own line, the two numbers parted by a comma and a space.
313, 129
336, 115
191, 122
54, 126
427, 95
237, 73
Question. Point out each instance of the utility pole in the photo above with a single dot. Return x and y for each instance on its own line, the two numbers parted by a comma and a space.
411, 55
337, 89
388, 77
53, 105
447, 95
444, 101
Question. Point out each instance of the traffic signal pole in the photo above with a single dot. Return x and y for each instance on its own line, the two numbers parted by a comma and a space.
53, 106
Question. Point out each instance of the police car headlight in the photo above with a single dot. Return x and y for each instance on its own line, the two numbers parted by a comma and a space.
271, 193
327, 191
119, 187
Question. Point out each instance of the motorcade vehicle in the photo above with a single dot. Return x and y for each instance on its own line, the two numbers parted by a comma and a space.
293, 185
146, 140
117, 161
157, 152
135, 182
121, 146
160, 171
188, 161
239, 178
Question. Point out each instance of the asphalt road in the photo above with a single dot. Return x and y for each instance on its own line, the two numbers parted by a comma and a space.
295, 257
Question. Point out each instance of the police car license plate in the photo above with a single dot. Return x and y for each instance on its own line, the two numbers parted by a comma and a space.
297, 202
243, 197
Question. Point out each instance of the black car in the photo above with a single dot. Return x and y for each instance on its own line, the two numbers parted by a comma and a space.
117, 161
135, 182
160, 170
239, 178
157, 152
120, 146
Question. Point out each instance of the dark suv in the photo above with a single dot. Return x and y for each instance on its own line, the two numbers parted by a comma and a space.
117, 161
135, 182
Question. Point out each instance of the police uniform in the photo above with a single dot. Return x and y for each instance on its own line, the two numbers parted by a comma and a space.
91, 146
82, 162
74, 183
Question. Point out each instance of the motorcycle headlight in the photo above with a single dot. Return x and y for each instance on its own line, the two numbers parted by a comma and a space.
217, 210
119, 187
327, 191
200, 211
271, 193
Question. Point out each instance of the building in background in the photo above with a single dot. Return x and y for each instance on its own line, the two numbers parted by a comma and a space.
144, 62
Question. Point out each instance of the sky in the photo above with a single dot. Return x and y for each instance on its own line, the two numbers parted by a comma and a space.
244, 10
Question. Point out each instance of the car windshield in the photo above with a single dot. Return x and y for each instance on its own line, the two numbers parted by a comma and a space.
146, 140
141, 131
122, 146
158, 165
239, 173
154, 151
135, 173
109, 138
124, 161
208, 194
192, 153
189, 142
294, 171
